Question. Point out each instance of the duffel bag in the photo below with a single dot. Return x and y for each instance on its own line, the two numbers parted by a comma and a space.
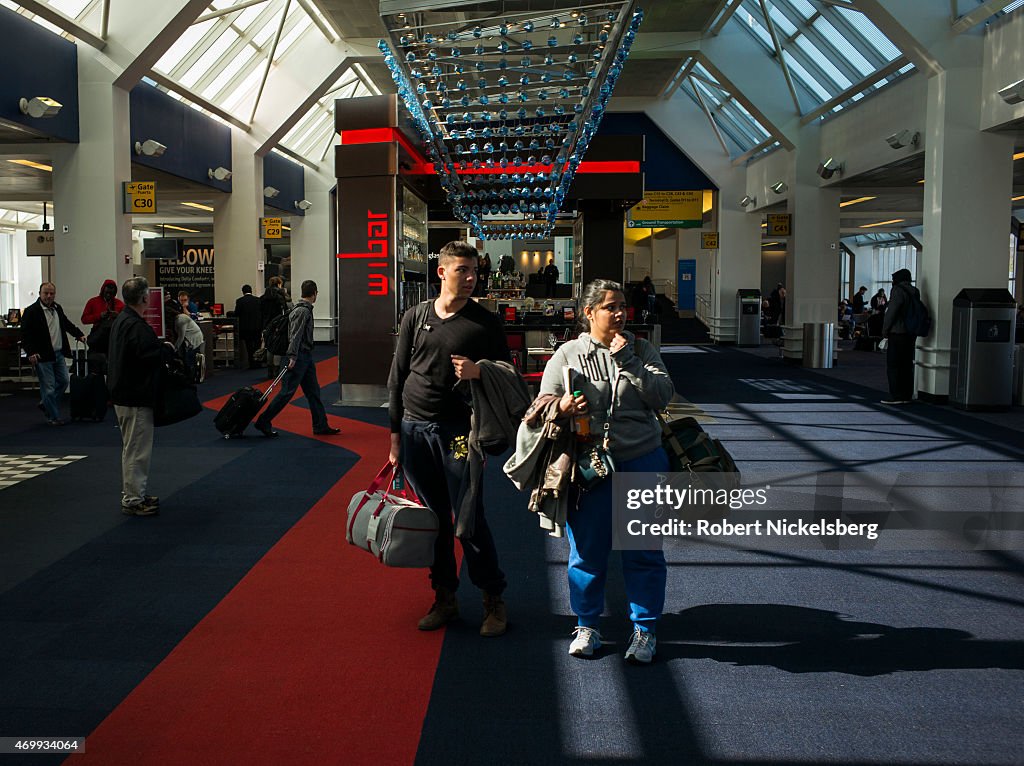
691, 450
392, 524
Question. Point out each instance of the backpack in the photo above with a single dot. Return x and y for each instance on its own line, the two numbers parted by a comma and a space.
275, 335
915, 316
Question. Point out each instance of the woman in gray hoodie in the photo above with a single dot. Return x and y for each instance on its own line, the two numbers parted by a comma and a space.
617, 382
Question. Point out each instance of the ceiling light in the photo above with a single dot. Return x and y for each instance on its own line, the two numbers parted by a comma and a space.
303, 204
150, 148
1013, 94
179, 228
1017, 198
39, 107
748, 200
882, 223
1018, 156
270, 192
854, 201
779, 187
829, 168
220, 174
31, 164
198, 206
903, 138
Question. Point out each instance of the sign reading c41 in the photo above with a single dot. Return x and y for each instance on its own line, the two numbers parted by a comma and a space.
140, 197
270, 228
780, 225
709, 240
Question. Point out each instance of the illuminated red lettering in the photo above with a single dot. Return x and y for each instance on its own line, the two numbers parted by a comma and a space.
376, 246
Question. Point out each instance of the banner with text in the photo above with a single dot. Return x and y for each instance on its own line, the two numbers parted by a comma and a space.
192, 272
669, 209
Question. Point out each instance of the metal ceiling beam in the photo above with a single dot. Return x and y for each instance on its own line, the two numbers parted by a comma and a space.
390, 7
49, 13
891, 68
675, 82
724, 18
711, 119
195, 98
754, 150
270, 59
782, 60
315, 18
226, 11
318, 4
970, 20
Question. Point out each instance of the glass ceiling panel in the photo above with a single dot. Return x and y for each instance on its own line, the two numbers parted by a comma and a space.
730, 115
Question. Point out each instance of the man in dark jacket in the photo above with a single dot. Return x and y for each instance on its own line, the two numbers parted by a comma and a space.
44, 329
134, 365
550, 278
273, 303
899, 355
250, 325
301, 369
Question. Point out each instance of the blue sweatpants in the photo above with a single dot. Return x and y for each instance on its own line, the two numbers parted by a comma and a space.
589, 527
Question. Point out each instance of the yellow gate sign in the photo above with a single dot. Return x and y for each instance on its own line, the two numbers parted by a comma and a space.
709, 240
140, 197
780, 224
270, 228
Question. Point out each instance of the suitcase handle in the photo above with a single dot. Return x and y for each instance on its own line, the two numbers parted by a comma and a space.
274, 382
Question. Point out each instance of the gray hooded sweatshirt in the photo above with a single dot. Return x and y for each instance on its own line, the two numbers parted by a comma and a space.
641, 384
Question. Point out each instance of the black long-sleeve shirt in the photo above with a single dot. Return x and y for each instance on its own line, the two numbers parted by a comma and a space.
422, 380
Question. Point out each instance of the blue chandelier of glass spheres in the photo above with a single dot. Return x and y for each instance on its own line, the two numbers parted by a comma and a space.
508, 141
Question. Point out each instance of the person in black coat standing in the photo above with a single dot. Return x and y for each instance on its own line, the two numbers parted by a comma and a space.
250, 323
44, 338
899, 354
134, 367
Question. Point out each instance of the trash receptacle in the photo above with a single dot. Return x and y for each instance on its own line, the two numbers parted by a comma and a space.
819, 344
981, 349
748, 317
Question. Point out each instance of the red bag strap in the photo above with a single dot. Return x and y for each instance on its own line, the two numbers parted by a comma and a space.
376, 484
406, 492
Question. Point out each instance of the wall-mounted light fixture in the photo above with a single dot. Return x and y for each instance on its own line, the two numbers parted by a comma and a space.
303, 204
903, 138
748, 200
270, 192
39, 107
830, 167
1013, 94
219, 174
150, 148
779, 187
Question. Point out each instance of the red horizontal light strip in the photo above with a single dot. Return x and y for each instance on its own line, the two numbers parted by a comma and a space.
384, 135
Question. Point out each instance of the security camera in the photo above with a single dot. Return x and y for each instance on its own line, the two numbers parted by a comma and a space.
747, 200
150, 148
829, 168
303, 204
1013, 94
903, 138
39, 107
270, 192
779, 187
220, 174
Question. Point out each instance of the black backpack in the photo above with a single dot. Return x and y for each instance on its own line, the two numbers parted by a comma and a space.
275, 335
915, 315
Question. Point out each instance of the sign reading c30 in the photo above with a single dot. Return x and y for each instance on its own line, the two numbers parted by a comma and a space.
140, 197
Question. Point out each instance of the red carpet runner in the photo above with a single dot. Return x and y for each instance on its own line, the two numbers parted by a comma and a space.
313, 658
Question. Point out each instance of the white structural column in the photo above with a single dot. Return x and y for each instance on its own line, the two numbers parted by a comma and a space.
968, 184
313, 256
238, 247
738, 258
93, 236
812, 262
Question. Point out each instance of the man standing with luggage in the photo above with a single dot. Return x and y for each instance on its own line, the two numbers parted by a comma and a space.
301, 369
44, 329
133, 370
439, 344
250, 324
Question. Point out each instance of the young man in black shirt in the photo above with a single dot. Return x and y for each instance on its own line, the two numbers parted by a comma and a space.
439, 345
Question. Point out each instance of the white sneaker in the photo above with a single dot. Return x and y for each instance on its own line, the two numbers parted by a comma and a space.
585, 641
641, 648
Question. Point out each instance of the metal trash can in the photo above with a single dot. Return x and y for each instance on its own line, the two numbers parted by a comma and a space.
981, 349
748, 317
819, 344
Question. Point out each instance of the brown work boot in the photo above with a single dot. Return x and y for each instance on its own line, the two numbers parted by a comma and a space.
444, 609
495, 617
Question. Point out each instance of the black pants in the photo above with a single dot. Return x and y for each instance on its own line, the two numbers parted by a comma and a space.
899, 366
252, 342
434, 457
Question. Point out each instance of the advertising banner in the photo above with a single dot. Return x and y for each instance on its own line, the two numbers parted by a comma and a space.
193, 272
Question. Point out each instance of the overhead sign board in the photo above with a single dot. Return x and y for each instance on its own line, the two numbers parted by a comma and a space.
270, 228
140, 197
780, 224
709, 240
39, 242
670, 209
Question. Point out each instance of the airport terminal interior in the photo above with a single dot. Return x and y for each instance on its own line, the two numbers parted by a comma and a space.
770, 182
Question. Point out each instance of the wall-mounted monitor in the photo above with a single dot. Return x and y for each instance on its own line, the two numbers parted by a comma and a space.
39, 243
161, 249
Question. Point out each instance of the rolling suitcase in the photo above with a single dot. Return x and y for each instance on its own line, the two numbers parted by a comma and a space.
89, 395
239, 411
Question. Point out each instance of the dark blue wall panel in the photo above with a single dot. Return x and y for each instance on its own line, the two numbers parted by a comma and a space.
195, 143
287, 177
36, 62
665, 167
